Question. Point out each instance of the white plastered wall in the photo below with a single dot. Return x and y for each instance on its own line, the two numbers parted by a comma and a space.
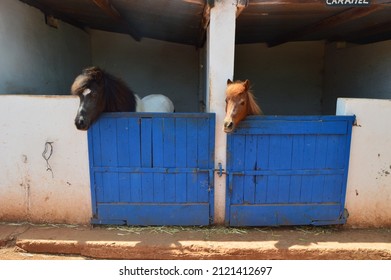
369, 181
28, 190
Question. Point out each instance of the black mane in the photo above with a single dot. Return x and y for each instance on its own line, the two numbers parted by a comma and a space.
118, 96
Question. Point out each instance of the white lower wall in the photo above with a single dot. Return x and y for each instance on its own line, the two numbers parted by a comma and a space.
369, 182
28, 191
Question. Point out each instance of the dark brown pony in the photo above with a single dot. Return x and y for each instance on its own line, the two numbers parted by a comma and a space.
101, 92
240, 102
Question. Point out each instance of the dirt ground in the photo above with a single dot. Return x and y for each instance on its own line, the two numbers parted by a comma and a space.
63, 242
15, 253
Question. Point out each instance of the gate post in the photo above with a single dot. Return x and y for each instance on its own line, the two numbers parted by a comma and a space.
220, 67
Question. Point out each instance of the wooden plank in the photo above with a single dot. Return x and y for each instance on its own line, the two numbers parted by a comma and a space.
108, 139
250, 164
95, 145
334, 21
204, 157
146, 142
261, 190
169, 152
135, 188
134, 142
180, 159
333, 188
295, 189
291, 128
238, 163
318, 189
108, 8
191, 140
157, 142
284, 183
123, 144
283, 214
203, 143
272, 189
147, 187
280, 152
321, 147
124, 187
309, 151
158, 179
147, 182
156, 214
191, 160
110, 188
169, 156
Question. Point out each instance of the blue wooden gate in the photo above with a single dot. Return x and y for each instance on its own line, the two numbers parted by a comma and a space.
288, 171
152, 169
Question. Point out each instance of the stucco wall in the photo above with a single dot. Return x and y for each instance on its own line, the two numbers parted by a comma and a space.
151, 66
36, 58
28, 191
287, 79
360, 71
369, 182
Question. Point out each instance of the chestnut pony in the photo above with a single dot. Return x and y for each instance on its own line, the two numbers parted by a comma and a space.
240, 102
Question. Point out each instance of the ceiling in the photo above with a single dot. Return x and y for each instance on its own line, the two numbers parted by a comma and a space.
258, 21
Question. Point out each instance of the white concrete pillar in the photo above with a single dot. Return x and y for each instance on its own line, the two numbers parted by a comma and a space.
220, 67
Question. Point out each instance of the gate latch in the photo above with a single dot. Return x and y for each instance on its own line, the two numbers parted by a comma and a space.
220, 171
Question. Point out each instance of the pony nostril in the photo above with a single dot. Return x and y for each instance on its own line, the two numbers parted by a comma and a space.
228, 125
81, 123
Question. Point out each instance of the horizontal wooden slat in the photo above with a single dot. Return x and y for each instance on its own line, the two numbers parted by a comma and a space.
290, 172
276, 127
280, 214
148, 170
144, 214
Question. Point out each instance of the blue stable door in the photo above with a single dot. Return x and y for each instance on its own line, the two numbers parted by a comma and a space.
288, 171
152, 169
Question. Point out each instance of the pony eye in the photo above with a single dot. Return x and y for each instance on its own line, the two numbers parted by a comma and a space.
242, 102
226, 100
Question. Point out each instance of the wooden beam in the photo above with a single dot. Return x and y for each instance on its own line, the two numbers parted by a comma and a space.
366, 34
48, 11
107, 7
330, 22
204, 25
240, 6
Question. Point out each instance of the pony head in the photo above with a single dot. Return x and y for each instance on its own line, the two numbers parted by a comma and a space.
240, 102
100, 92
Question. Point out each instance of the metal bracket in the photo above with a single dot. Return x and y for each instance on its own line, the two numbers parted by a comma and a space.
220, 171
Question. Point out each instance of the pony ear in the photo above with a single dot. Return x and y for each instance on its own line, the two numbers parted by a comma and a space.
229, 82
95, 72
246, 84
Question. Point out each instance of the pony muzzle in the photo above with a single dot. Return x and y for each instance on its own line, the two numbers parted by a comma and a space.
81, 123
229, 126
